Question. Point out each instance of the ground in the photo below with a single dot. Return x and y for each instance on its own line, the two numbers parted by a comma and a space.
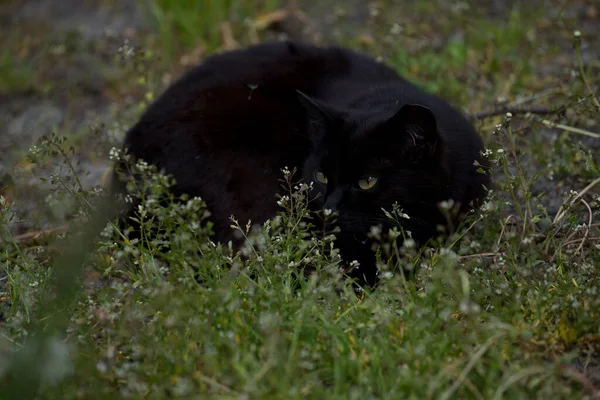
512, 315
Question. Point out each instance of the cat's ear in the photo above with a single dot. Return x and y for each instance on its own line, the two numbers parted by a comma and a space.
322, 117
315, 108
418, 126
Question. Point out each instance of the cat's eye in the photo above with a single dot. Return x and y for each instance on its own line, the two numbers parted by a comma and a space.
367, 183
321, 177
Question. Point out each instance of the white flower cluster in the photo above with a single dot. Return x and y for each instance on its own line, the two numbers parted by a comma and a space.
283, 201
127, 51
115, 154
486, 153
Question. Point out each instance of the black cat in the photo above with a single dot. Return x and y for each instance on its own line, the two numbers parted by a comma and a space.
364, 136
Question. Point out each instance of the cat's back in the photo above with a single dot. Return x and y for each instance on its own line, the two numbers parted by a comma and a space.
241, 98
282, 66
247, 98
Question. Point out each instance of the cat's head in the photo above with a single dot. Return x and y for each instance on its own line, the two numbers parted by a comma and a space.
363, 161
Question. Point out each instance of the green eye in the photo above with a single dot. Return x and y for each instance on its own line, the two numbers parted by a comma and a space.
321, 177
368, 183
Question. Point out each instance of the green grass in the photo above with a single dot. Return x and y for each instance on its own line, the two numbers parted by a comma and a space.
506, 307
14, 75
183, 25
490, 49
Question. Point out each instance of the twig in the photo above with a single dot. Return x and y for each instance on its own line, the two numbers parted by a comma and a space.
561, 214
561, 211
291, 11
491, 254
587, 228
504, 228
214, 383
564, 107
513, 109
593, 239
569, 128
33, 236
517, 107
581, 378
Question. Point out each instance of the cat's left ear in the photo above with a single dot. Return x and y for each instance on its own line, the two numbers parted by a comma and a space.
322, 116
316, 109
418, 126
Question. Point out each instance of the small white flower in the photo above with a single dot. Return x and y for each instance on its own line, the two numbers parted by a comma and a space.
386, 275
409, 243
374, 11
101, 367
283, 200
447, 204
394, 233
396, 29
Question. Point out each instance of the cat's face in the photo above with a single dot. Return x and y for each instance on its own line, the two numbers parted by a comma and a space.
361, 163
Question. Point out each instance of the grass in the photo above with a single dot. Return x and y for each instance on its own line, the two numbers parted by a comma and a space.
12, 76
184, 25
506, 307
491, 55
14, 73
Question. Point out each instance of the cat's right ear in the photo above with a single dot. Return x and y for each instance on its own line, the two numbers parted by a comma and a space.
419, 127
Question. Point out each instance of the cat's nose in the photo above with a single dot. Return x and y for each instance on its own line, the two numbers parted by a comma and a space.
333, 200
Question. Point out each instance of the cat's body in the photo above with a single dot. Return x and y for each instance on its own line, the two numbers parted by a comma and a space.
227, 128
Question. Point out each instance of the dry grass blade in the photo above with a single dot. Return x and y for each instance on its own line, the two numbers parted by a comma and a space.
39, 236
569, 128
572, 373
513, 109
562, 211
524, 373
229, 43
474, 359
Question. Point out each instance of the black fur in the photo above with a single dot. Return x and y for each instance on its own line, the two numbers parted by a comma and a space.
227, 128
